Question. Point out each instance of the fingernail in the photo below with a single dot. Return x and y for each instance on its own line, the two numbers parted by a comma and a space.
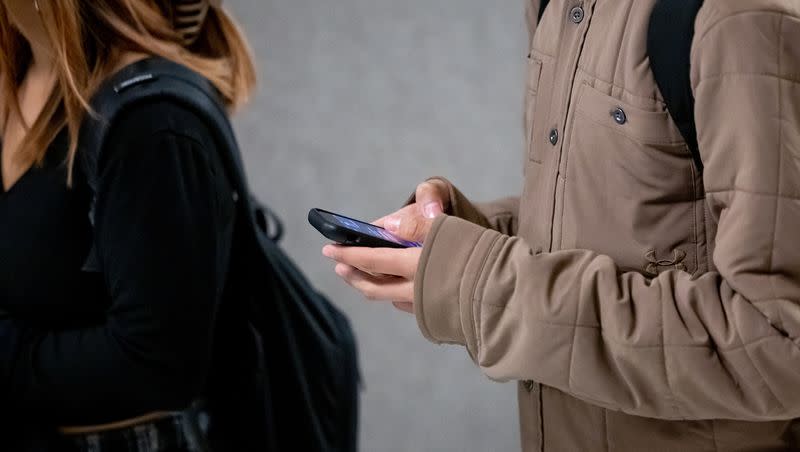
392, 224
327, 251
432, 209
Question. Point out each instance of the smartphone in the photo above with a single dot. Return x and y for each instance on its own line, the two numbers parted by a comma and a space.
347, 231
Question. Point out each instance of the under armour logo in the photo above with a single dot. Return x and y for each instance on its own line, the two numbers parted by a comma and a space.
655, 264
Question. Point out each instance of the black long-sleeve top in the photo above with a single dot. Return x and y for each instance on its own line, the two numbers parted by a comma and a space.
82, 347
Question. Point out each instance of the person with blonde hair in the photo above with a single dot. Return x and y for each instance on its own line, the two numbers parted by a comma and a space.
107, 332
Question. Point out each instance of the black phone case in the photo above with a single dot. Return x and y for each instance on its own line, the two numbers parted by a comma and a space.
345, 236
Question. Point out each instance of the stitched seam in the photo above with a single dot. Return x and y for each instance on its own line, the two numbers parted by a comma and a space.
729, 75
574, 336
764, 380
766, 300
640, 346
531, 90
623, 45
565, 116
570, 136
566, 154
771, 276
753, 192
480, 275
698, 40
714, 346
707, 232
693, 172
637, 140
673, 400
657, 110
714, 434
425, 259
423, 319
476, 316
531, 104
753, 75
538, 53
541, 419
755, 301
586, 72
673, 202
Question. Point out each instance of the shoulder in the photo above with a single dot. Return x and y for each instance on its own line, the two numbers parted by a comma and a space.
721, 9
728, 14
746, 37
153, 129
153, 120
161, 143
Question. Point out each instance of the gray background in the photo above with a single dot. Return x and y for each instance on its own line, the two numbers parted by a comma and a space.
359, 100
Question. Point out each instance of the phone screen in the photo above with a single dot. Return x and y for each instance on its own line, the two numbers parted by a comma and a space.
368, 229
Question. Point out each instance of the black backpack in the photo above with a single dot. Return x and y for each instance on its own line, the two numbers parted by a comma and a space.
285, 373
669, 45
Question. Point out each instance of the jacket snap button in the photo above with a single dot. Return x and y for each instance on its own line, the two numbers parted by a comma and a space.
529, 385
577, 14
619, 116
554, 137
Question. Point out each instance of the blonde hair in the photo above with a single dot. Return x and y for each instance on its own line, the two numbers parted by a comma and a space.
88, 37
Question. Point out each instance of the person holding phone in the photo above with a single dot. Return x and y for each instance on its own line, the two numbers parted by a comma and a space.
107, 326
642, 300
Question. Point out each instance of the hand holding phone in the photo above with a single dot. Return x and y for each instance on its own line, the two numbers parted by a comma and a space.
350, 232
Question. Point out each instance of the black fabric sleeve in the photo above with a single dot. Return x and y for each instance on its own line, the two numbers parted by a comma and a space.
163, 233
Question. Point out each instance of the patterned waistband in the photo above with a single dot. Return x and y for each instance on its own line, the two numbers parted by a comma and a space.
183, 431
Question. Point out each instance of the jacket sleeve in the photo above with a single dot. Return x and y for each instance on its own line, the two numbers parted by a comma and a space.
163, 244
725, 344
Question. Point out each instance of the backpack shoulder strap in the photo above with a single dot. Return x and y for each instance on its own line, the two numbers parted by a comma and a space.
161, 79
148, 80
669, 45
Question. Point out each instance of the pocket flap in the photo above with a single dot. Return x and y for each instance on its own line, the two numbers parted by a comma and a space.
648, 127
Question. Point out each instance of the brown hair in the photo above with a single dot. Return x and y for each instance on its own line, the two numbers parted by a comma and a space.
88, 36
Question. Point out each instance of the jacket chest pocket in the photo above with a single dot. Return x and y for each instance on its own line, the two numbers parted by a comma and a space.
630, 190
531, 97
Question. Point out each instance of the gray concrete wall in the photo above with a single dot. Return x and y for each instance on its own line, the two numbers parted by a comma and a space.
359, 100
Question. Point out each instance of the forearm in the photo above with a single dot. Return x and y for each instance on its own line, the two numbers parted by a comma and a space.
96, 375
673, 348
163, 230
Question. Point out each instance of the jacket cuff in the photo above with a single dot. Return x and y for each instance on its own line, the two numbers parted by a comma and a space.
452, 262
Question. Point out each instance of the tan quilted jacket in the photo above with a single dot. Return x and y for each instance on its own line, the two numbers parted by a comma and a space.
641, 305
